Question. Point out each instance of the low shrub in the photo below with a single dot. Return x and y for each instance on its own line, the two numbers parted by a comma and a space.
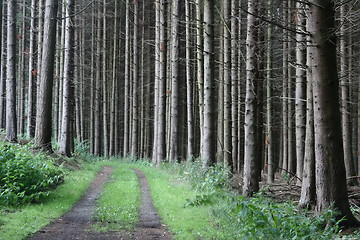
25, 177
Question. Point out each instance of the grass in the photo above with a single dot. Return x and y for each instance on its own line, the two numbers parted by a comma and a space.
19, 222
169, 195
190, 200
118, 205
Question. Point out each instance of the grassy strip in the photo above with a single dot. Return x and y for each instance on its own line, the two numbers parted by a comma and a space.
17, 223
119, 203
169, 195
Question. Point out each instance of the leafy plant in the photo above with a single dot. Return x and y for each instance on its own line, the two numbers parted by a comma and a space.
259, 218
25, 177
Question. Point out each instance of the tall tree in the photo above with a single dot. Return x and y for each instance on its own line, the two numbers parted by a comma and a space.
105, 114
300, 87
251, 164
66, 139
3, 66
227, 85
135, 67
189, 86
331, 190
11, 120
161, 119
345, 99
269, 106
209, 141
44, 103
174, 134
127, 81
32, 75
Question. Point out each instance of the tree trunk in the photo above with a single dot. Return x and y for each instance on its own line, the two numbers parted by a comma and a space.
3, 67
66, 140
127, 81
331, 187
105, 113
345, 99
32, 76
200, 66
300, 94
234, 85
269, 139
21, 73
11, 120
44, 103
174, 132
97, 103
189, 87
161, 134
209, 141
284, 160
251, 178
135, 116
227, 86
308, 189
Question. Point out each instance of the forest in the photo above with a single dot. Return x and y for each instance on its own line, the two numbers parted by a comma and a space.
267, 89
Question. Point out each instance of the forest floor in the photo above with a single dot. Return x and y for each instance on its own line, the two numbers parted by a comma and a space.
282, 190
78, 222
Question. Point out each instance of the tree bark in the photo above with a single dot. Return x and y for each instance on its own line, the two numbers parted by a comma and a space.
227, 86
251, 164
66, 140
209, 141
32, 76
174, 132
331, 187
300, 86
269, 139
11, 119
135, 116
189, 87
44, 104
345, 108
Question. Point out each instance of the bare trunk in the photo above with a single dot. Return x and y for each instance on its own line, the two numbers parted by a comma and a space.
189, 87
227, 86
174, 132
209, 141
345, 99
32, 75
331, 190
300, 95
251, 179
134, 134
11, 120
66, 140
44, 103
269, 139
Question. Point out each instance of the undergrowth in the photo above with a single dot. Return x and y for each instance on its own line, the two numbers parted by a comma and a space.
237, 217
25, 176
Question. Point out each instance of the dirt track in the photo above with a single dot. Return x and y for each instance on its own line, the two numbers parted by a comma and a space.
77, 223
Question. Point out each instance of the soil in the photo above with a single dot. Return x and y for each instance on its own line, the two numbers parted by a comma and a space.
77, 223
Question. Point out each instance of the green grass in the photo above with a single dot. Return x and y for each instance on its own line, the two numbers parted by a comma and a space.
17, 223
169, 195
118, 205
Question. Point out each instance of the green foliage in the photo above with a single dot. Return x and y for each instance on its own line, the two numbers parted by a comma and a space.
20, 221
25, 177
260, 218
215, 178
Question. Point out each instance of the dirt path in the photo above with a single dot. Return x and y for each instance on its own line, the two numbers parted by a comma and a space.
76, 224
150, 226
